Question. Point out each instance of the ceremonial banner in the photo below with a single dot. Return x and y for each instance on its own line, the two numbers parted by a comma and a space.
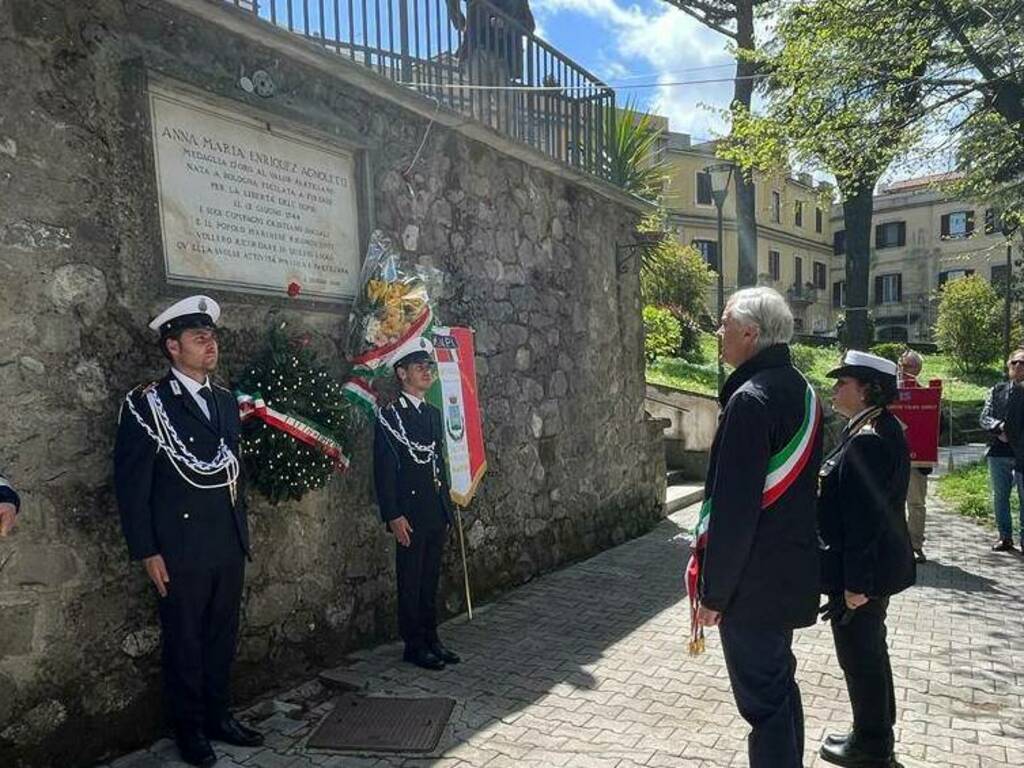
918, 410
454, 393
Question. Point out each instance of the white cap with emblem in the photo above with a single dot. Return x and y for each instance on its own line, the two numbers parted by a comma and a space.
193, 312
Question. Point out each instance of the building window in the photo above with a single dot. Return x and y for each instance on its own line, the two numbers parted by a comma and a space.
776, 207
998, 276
838, 294
820, 275
888, 289
798, 324
798, 216
892, 234
839, 243
775, 265
704, 189
953, 274
798, 271
817, 220
957, 225
709, 252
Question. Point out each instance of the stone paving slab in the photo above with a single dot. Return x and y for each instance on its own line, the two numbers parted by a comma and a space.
586, 667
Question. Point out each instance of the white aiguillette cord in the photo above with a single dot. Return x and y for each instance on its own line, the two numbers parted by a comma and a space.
167, 440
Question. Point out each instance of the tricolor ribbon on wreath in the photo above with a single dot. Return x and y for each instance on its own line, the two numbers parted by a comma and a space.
373, 363
253, 406
784, 468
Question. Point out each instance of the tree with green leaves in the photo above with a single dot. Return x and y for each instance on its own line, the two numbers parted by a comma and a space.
848, 119
631, 160
969, 326
735, 20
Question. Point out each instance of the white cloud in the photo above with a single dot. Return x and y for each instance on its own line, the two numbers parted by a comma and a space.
671, 44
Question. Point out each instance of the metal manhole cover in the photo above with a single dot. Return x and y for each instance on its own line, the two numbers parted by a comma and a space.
381, 724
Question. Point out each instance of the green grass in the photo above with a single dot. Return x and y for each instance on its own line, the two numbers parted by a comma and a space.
967, 491
693, 377
815, 362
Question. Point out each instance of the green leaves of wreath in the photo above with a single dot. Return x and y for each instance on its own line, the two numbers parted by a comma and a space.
304, 399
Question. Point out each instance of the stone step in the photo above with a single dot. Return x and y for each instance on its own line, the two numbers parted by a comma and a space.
680, 496
679, 477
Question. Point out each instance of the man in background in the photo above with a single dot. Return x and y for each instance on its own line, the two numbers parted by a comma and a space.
1002, 474
910, 364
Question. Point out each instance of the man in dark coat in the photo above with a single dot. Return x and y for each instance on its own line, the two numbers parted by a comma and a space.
1002, 471
9, 506
411, 479
867, 554
176, 473
756, 557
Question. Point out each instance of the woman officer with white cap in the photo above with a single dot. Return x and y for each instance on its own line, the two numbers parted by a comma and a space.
867, 555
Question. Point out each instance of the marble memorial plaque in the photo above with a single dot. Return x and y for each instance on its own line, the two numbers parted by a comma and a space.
249, 206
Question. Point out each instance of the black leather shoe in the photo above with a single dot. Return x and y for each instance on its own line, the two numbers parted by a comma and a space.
230, 731
919, 556
424, 658
195, 748
847, 753
1003, 545
834, 739
445, 655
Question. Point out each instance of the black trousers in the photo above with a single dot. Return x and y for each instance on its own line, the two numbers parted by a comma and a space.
864, 658
419, 571
199, 619
762, 671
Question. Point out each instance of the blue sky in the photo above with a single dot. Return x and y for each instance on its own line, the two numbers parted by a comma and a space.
646, 42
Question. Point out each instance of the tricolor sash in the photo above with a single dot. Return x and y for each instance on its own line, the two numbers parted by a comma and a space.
784, 467
253, 405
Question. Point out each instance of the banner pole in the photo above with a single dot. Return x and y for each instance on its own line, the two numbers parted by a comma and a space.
465, 566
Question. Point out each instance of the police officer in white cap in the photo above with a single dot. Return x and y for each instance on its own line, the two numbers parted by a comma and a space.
867, 556
413, 494
176, 474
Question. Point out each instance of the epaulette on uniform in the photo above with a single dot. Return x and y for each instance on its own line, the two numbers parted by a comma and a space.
867, 429
218, 386
140, 391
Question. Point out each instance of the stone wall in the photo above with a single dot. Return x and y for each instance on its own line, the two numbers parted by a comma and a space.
530, 259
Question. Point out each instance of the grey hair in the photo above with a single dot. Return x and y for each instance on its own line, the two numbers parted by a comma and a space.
765, 308
914, 358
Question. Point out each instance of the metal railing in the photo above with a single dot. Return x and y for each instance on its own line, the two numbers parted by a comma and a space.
481, 62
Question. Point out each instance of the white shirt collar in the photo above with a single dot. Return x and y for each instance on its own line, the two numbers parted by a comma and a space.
191, 384
416, 402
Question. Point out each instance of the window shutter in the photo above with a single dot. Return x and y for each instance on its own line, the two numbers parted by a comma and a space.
879, 236
839, 242
970, 223
878, 290
899, 287
837, 293
901, 233
945, 226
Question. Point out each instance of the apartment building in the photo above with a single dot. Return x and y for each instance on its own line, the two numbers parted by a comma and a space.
794, 234
921, 239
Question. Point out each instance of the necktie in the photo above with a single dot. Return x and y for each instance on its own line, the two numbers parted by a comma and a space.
207, 394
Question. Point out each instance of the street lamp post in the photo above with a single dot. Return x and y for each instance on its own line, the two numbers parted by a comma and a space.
1007, 231
721, 177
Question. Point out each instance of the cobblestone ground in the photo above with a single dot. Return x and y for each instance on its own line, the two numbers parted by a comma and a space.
587, 667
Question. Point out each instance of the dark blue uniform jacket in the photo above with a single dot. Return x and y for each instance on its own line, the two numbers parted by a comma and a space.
404, 487
861, 512
161, 513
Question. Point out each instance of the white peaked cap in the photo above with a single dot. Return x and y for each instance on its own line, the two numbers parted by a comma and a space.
411, 347
864, 362
193, 305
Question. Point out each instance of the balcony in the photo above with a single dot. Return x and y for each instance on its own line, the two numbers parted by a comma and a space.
488, 66
800, 296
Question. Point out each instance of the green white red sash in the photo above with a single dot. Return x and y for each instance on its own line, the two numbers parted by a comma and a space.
303, 431
784, 467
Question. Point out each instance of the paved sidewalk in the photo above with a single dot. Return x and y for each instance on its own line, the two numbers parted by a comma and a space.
587, 667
